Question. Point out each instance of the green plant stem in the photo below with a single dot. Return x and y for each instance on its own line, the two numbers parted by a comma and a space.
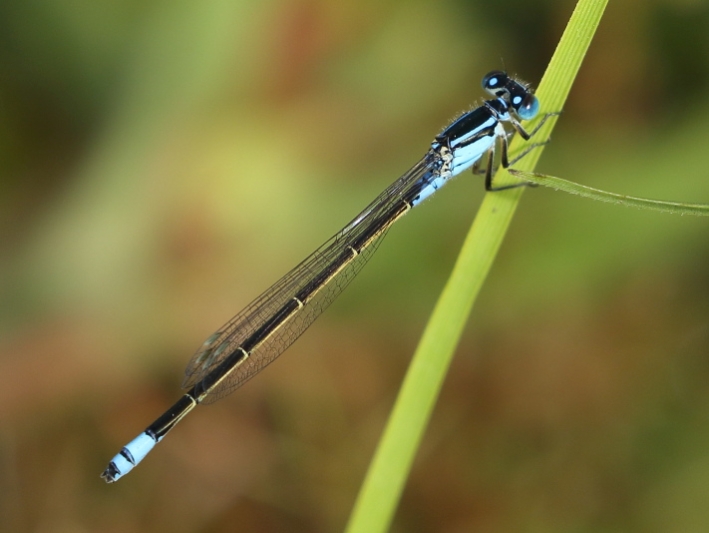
387, 474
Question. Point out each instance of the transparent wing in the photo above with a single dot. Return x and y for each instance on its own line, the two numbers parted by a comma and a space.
363, 233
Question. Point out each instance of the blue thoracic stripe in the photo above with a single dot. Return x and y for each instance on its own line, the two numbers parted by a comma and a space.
468, 139
484, 129
267, 326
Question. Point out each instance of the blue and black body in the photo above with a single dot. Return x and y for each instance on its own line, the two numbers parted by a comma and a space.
274, 320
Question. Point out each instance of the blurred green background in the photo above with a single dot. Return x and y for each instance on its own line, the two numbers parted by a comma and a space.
163, 162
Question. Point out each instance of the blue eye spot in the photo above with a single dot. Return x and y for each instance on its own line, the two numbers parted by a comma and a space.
517, 100
492, 82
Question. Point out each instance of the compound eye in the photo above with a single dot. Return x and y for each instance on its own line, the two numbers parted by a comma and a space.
527, 107
495, 81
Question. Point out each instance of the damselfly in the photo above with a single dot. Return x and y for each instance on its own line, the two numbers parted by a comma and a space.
274, 320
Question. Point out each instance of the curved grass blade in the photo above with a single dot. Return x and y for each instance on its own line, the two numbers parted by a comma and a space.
663, 206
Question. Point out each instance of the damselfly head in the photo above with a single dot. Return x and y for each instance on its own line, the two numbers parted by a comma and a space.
516, 93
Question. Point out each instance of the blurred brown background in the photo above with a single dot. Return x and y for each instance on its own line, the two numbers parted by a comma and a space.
163, 162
